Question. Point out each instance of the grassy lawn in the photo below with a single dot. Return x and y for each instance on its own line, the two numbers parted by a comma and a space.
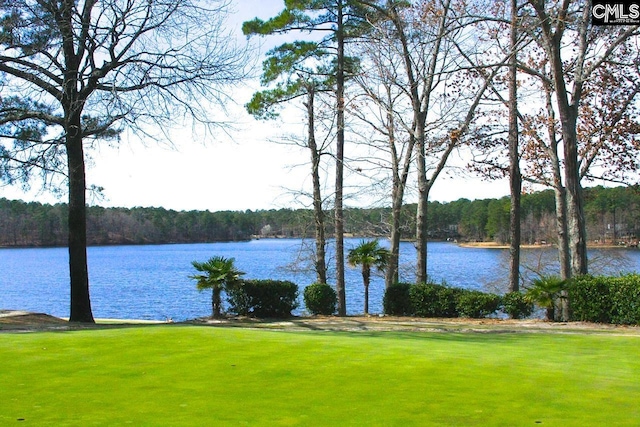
202, 376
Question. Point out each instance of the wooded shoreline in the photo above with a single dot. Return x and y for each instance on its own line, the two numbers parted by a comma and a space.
613, 217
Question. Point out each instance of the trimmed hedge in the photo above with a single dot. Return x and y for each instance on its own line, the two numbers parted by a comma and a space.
476, 304
592, 299
431, 300
516, 305
603, 299
320, 298
397, 301
625, 300
263, 298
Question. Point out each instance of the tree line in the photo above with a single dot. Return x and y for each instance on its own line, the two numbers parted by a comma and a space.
613, 217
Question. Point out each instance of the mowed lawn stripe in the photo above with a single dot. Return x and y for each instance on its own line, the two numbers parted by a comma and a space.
185, 375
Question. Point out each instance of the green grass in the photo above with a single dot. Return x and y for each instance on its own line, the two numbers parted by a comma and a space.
203, 376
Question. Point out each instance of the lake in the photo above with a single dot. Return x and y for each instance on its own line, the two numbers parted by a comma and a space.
151, 282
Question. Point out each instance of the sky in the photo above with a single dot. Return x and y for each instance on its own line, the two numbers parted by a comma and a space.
236, 170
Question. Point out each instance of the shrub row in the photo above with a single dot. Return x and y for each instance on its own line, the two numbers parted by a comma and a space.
606, 299
433, 300
277, 299
592, 299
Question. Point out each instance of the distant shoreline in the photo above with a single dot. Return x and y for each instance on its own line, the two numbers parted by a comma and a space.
494, 245
476, 245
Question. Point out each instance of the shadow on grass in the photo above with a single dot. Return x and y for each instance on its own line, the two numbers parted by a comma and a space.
358, 329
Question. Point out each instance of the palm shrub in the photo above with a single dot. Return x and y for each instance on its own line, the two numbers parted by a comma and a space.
397, 300
320, 298
516, 305
476, 304
545, 291
367, 255
218, 273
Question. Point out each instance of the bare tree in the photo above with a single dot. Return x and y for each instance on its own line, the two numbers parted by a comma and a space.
383, 108
583, 132
560, 23
444, 93
74, 72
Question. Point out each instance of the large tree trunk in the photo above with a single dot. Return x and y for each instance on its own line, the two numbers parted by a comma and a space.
515, 179
397, 196
391, 275
564, 256
339, 214
421, 213
559, 190
561, 227
78, 272
80, 310
575, 213
318, 213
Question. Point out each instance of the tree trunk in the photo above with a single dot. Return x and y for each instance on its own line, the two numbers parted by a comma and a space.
216, 302
561, 227
421, 213
391, 275
399, 183
80, 310
79, 276
550, 313
318, 213
559, 190
366, 279
576, 223
339, 214
515, 179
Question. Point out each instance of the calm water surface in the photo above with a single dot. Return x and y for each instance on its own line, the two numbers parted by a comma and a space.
151, 282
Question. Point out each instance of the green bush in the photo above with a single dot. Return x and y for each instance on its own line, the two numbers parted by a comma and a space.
625, 300
606, 299
590, 299
431, 300
263, 298
238, 300
476, 304
516, 305
397, 301
320, 298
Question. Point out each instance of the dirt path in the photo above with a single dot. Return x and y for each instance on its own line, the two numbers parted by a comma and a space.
20, 321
